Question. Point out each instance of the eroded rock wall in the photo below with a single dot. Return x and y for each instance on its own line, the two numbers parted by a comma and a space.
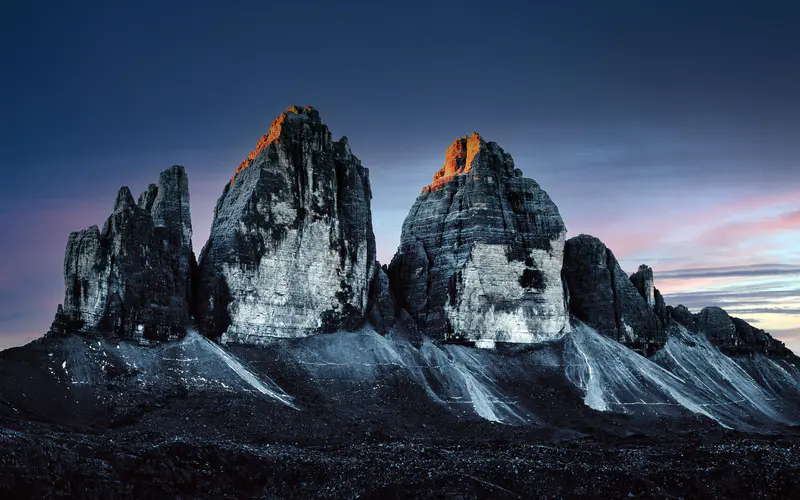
132, 279
481, 252
291, 251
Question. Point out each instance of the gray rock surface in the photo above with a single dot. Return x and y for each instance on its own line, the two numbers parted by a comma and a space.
382, 310
602, 296
481, 252
661, 309
291, 251
131, 280
643, 281
682, 315
752, 339
717, 325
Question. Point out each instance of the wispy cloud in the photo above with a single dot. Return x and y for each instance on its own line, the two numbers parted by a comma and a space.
752, 270
764, 310
756, 228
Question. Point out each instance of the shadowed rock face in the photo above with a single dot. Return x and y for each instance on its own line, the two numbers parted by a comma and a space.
736, 336
602, 296
715, 323
682, 315
382, 306
291, 251
481, 252
752, 339
132, 279
643, 281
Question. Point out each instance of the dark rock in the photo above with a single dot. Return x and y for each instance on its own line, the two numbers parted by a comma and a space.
715, 323
643, 281
170, 211
756, 340
382, 307
682, 315
481, 252
291, 251
602, 296
148, 197
131, 279
661, 309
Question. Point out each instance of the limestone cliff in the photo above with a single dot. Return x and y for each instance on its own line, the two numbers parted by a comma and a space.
481, 252
291, 251
132, 279
604, 297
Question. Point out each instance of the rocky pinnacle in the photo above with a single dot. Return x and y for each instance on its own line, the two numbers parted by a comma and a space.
481, 252
291, 251
131, 280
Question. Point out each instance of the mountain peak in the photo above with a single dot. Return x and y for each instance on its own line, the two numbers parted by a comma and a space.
467, 154
277, 130
124, 199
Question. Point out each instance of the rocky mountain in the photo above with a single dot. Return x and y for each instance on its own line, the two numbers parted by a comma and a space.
605, 298
595, 387
736, 336
481, 252
132, 279
291, 251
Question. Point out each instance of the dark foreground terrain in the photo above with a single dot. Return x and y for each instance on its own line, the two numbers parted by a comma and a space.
359, 415
39, 462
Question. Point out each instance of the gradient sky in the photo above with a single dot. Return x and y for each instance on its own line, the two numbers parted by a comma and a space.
670, 130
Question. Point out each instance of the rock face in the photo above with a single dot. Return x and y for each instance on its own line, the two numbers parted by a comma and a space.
291, 251
643, 281
481, 252
682, 315
661, 309
715, 323
752, 339
382, 310
735, 336
132, 279
602, 296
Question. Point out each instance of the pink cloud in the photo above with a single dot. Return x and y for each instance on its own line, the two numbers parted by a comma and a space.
736, 232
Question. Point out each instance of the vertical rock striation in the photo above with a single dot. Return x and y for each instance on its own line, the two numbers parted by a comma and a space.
643, 281
291, 251
131, 280
604, 297
481, 252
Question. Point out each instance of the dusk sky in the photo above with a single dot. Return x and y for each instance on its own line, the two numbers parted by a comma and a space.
670, 130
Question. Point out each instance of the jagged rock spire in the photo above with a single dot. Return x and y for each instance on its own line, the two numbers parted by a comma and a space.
291, 251
602, 296
131, 280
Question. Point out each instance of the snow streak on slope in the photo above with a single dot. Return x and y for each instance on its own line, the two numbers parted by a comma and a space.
456, 377
461, 374
689, 373
729, 390
266, 387
615, 378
